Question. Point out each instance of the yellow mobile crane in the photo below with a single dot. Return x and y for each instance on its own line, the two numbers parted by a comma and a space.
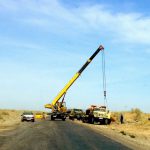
59, 108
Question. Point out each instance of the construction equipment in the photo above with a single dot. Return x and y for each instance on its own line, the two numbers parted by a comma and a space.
59, 108
76, 114
98, 114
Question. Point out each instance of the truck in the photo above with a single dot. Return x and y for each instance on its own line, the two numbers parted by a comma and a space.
58, 107
97, 114
76, 114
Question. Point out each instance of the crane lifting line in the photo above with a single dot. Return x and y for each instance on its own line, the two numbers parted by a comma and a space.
104, 80
104, 77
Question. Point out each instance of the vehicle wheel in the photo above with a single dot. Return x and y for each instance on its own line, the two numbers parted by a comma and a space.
52, 118
106, 121
83, 120
22, 120
109, 121
71, 118
78, 117
92, 120
63, 119
33, 120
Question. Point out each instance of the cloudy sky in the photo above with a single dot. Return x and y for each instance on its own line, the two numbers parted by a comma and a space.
43, 43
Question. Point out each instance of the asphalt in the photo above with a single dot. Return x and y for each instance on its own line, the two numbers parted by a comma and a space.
55, 135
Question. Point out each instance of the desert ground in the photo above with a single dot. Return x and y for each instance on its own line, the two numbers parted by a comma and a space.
134, 132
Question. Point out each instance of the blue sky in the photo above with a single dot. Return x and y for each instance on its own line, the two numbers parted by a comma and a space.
43, 43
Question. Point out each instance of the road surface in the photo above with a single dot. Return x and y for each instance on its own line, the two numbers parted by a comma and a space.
55, 135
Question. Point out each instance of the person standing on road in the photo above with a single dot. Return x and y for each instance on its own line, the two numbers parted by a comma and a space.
121, 118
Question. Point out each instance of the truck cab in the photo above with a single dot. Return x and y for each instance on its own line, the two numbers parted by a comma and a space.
97, 114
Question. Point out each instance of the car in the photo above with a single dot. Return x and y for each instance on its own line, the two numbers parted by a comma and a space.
27, 116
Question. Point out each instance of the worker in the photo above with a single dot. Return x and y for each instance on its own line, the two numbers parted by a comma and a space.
121, 118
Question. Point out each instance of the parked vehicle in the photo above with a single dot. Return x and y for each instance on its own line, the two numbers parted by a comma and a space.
97, 114
27, 116
68, 112
39, 115
59, 107
76, 114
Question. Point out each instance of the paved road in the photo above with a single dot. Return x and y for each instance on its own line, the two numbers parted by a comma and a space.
55, 135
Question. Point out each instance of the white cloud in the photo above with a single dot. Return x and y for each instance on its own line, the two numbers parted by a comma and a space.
53, 15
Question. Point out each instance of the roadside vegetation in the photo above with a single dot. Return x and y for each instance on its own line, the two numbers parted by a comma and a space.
136, 125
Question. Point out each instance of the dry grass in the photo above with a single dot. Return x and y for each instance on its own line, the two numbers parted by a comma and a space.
134, 131
1, 117
136, 125
9, 117
137, 114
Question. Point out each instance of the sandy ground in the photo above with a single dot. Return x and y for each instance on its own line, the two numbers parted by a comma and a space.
134, 133
9, 119
133, 139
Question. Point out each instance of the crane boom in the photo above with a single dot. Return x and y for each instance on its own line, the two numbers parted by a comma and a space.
73, 79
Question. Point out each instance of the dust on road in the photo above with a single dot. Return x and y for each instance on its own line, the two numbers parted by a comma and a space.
55, 135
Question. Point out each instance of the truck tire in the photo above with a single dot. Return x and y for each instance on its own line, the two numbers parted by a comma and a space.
106, 122
52, 118
78, 117
83, 120
109, 121
71, 118
92, 120
63, 119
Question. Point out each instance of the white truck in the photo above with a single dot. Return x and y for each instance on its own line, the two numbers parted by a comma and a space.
97, 114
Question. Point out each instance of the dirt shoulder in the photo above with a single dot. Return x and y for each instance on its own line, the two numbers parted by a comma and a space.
135, 135
123, 133
9, 119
